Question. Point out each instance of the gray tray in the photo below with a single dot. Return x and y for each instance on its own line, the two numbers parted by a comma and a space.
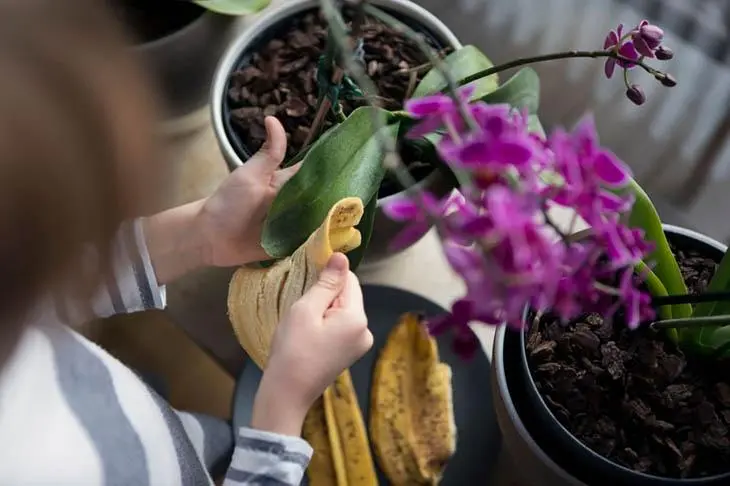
478, 441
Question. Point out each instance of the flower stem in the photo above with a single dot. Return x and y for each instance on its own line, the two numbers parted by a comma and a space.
685, 322
556, 56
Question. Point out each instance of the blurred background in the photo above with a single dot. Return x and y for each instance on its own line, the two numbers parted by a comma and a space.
676, 143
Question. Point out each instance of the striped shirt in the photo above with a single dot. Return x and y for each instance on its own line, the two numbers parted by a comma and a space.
71, 414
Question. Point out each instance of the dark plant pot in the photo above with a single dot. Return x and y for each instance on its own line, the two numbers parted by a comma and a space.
537, 438
180, 43
267, 27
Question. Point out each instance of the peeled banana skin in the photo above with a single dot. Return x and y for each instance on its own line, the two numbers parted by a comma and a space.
321, 471
259, 298
412, 427
345, 420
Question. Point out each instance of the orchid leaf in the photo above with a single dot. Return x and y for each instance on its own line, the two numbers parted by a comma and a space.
657, 289
366, 231
714, 339
644, 215
461, 63
521, 91
346, 161
234, 7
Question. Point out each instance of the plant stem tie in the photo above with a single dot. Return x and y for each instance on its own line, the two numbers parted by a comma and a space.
712, 321
690, 298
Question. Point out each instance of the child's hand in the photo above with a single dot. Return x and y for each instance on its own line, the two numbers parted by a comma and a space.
224, 229
232, 217
322, 335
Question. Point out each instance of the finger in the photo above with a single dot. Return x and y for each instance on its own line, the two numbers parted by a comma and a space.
351, 296
272, 152
283, 175
329, 285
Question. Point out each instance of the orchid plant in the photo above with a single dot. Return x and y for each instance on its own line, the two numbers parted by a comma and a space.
497, 232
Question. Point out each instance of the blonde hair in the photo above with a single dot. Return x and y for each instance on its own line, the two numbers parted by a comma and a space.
76, 136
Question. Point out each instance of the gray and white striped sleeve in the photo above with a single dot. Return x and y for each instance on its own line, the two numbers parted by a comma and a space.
131, 285
264, 458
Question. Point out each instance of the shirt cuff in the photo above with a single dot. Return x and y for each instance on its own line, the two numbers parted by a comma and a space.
265, 457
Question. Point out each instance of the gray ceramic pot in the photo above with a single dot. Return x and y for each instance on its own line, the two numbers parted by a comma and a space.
182, 63
276, 19
534, 437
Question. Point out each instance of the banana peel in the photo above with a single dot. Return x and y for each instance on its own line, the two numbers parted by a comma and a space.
412, 425
346, 429
259, 297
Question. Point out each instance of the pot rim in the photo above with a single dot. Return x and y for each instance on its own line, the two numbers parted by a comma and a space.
668, 228
172, 37
506, 397
276, 14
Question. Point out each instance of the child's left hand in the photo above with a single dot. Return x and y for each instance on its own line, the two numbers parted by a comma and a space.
224, 229
232, 218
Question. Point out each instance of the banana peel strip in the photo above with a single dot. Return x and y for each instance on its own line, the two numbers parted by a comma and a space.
259, 297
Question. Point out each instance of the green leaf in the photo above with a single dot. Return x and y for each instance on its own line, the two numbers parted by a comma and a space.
644, 215
713, 339
461, 63
346, 161
657, 289
234, 7
520, 91
366, 230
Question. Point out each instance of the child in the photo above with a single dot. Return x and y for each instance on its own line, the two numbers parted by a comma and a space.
77, 163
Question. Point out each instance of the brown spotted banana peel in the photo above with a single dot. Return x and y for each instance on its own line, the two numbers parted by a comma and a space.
412, 425
258, 298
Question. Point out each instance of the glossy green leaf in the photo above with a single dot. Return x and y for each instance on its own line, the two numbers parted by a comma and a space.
713, 339
461, 63
346, 161
520, 91
644, 215
233, 7
657, 289
366, 231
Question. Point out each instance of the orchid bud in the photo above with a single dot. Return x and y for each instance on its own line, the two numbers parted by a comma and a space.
666, 79
663, 53
636, 94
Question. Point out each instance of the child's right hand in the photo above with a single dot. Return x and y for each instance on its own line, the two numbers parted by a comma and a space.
323, 333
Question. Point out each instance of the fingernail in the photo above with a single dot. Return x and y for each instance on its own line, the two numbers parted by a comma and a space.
337, 263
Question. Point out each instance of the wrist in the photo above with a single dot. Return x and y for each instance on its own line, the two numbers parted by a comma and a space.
278, 410
175, 241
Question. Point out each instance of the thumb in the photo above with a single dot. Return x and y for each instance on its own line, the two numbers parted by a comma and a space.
273, 151
329, 285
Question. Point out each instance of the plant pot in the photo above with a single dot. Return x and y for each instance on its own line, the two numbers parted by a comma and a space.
180, 43
267, 27
535, 436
